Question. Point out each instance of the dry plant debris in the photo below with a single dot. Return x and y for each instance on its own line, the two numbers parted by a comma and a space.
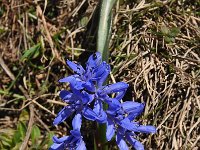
154, 47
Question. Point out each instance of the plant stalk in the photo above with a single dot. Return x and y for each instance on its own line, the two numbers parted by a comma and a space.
103, 40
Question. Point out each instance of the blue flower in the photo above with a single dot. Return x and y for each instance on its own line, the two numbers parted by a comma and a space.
72, 142
86, 97
120, 118
119, 89
129, 136
76, 103
79, 102
95, 74
87, 86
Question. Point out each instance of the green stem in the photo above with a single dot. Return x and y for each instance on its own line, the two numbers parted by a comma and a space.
103, 39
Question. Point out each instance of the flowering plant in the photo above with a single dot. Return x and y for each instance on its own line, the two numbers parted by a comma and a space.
86, 98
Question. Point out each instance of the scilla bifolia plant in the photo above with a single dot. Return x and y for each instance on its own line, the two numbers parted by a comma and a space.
89, 98
85, 100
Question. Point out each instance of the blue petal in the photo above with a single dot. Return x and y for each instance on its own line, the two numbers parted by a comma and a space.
59, 143
121, 143
76, 135
127, 124
77, 68
113, 88
130, 106
144, 129
98, 107
110, 131
101, 73
132, 116
121, 130
60, 140
75, 83
89, 86
89, 114
133, 109
104, 76
65, 95
62, 115
102, 117
113, 107
136, 144
93, 61
87, 98
100, 114
69, 79
120, 95
77, 121
81, 145
56, 146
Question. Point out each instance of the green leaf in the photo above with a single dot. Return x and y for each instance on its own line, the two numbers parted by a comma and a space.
169, 39
33, 52
174, 31
50, 136
5, 140
164, 30
24, 116
47, 142
35, 134
19, 133
83, 21
16, 138
17, 146
104, 28
22, 129
103, 40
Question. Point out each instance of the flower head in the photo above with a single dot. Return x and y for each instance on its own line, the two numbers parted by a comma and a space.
74, 141
95, 73
120, 120
86, 98
84, 86
76, 103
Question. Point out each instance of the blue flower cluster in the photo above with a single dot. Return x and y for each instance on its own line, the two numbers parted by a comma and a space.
86, 99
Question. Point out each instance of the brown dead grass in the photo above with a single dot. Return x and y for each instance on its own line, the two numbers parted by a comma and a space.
162, 69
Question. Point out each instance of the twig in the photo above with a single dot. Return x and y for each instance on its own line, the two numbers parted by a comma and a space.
30, 125
6, 69
42, 123
48, 35
31, 106
188, 59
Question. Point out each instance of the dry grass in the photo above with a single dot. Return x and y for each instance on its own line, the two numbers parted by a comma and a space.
154, 47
